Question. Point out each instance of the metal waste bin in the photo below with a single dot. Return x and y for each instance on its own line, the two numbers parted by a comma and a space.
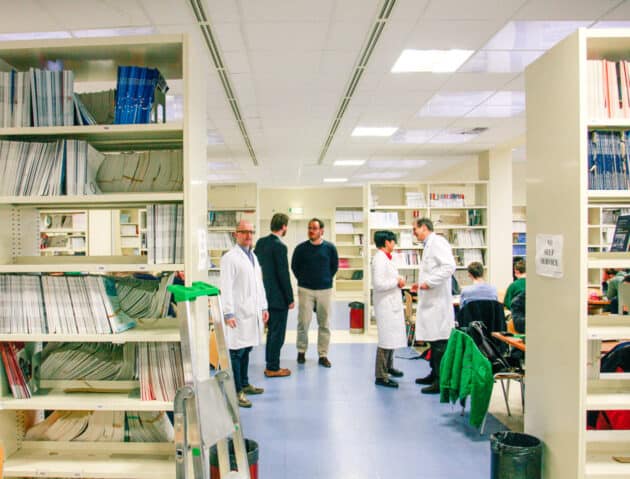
251, 447
515, 456
356, 317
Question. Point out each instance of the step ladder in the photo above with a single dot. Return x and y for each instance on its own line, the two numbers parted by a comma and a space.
206, 410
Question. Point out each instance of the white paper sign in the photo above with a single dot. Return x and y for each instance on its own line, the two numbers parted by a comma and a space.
549, 255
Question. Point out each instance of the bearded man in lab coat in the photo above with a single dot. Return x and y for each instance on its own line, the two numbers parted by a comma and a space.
435, 317
244, 307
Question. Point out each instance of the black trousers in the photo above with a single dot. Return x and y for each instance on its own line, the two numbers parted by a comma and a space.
437, 351
276, 332
240, 367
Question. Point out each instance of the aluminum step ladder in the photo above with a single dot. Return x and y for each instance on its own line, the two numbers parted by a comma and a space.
206, 410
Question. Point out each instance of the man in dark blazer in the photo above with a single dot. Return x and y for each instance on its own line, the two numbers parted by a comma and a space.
274, 262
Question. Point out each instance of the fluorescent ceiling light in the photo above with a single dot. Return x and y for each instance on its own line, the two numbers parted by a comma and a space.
335, 180
348, 162
453, 104
382, 175
500, 105
224, 177
215, 138
222, 165
113, 32
33, 36
434, 61
374, 131
509, 61
532, 35
397, 163
413, 136
611, 24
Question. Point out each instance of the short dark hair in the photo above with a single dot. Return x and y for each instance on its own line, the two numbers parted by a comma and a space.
278, 221
381, 236
425, 222
318, 221
475, 269
519, 266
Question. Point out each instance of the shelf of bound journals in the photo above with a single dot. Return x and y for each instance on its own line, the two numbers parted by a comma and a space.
85, 264
110, 401
128, 199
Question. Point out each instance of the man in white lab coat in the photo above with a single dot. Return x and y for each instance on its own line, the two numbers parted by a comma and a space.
435, 317
244, 307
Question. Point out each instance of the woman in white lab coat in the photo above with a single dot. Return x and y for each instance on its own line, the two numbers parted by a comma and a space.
435, 317
388, 309
244, 307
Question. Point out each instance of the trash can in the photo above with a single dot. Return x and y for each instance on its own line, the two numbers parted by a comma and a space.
252, 459
515, 456
356, 317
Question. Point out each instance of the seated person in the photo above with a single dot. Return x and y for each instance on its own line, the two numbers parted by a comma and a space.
615, 278
518, 286
518, 312
479, 290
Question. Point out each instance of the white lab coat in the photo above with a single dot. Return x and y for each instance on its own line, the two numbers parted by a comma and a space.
388, 305
435, 317
243, 295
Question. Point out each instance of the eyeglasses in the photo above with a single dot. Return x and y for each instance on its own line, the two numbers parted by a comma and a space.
246, 232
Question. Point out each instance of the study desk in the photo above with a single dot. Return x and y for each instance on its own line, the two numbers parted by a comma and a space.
595, 306
515, 342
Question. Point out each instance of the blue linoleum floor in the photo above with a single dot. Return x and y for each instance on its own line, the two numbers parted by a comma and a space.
336, 424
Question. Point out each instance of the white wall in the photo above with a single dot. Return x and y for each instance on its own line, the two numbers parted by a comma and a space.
518, 183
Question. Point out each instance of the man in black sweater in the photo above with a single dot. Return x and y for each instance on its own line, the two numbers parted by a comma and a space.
314, 264
274, 262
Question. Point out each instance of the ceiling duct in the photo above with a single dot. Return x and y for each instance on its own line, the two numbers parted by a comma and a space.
204, 25
364, 56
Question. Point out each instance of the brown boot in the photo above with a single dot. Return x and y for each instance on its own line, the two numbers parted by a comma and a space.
279, 373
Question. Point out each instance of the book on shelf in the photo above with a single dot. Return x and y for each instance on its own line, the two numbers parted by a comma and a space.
621, 235
165, 233
519, 237
218, 218
135, 93
160, 370
415, 199
384, 219
144, 296
463, 257
608, 162
519, 250
610, 215
105, 426
99, 104
344, 228
608, 88
14, 373
405, 239
141, 171
220, 240
446, 200
468, 238
406, 258
348, 216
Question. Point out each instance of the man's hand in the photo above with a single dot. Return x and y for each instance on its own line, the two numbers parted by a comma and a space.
414, 288
424, 286
292, 305
231, 322
401, 282
265, 316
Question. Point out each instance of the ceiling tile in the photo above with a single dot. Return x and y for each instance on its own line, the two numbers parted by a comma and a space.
347, 36
451, 34
478, 81
229, 37
89, 14
220, 11
283, 11
167, 12
564, 9
622, 12
280, 37
477, 10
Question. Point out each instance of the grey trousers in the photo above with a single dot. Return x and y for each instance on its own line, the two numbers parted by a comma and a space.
320, 300
384, 362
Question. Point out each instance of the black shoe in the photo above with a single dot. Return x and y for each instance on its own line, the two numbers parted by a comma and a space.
301, 358
323, 361
433, 389
397, 373
426, 380
388, 383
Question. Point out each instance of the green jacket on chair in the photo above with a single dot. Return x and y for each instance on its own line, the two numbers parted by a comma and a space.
465, 371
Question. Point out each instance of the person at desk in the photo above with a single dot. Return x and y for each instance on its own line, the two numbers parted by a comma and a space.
388, 309
435, 317
615, 278
479, 290
518, 286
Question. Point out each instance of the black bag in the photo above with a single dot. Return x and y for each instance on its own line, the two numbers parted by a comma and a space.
477, 331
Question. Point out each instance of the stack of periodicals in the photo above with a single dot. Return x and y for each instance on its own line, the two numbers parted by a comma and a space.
15, 99
608, 162
415, 199
135, 92
160, 370
60, 305
608, 89
446, 200
467, 256
406, 258
105, 426
88, 361
51, 168
468, 238
144, 298
384, 219
345, 216
220, 240
14, 374
165, 233
141, 171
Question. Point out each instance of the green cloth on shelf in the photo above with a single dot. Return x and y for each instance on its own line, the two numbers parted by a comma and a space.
464, 372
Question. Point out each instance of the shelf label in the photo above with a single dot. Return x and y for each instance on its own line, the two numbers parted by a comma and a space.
100, 267
549, 249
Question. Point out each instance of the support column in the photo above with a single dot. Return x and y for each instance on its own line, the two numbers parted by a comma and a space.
495, 166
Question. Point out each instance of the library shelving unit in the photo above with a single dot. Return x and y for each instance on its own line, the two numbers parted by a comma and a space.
96, 60
563, 342
227, 205
63, 232
458, 211
519, 231
129, 238
349, 238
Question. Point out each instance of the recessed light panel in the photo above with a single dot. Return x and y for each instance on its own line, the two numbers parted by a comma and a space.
434, 61
381, 175
374, 131
413, 136
397, 164
335, 180
501, 105
348, 162
532, 35
6, 37
453, 104
215, 138
113, 32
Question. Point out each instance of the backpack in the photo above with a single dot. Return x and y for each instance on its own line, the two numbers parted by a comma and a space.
477, 331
